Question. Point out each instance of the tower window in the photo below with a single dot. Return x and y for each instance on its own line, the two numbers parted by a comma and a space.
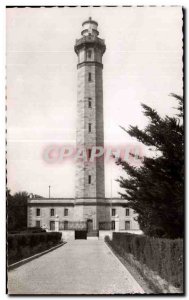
127, 213
90, 127
65, 212
89, 53
113, 212
38, 212
52, 212
89, 179
89, 153
89, 102
89, 77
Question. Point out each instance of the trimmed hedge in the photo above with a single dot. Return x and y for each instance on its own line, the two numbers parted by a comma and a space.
27, 230
23, 245
163, 256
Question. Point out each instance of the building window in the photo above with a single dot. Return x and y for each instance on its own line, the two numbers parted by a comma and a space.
89, 102
89, 179
65, 212
127, 225
52, 225
89, 53
52, 212
113, 212
127, 212
113, 225
38, 223
65, 225
38, 212
89, 77
89, 127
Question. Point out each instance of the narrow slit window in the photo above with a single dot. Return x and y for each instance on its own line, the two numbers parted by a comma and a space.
90, 127
89, 77
89, 102
89, 153
89, 179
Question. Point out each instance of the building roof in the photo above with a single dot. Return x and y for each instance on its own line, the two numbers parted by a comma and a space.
73, 201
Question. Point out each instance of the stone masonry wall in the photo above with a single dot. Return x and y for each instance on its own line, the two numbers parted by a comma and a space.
84, 138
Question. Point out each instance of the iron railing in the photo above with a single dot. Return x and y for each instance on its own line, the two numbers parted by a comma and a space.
106, 226
68, 225
89, 39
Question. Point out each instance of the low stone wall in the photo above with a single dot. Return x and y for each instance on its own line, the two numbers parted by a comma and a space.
103, 233
134, 231
68, 235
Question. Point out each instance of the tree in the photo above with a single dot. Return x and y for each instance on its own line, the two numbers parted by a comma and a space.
155, 190
16, 210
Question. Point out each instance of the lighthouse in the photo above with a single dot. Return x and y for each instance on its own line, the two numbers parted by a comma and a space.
90, 204
89, 209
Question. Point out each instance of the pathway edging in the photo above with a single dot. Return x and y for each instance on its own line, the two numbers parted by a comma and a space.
134, 280
26, 260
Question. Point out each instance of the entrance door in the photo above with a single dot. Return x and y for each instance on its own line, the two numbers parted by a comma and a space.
89, 225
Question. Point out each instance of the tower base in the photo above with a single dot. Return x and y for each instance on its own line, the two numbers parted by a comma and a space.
92, 211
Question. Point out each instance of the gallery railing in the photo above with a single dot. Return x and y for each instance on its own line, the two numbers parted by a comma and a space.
106, 226
68, 225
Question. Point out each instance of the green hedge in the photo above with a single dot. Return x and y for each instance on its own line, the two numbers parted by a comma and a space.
23, 245
164, 256
27, 230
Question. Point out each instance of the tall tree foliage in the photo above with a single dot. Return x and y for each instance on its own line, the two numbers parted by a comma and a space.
17, 210
155, 190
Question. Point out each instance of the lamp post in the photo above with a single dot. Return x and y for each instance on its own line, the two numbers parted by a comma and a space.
111, 200
56, 223
49, 191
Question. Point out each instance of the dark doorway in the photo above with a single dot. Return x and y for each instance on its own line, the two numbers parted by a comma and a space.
89, 225
80, 235
113, 225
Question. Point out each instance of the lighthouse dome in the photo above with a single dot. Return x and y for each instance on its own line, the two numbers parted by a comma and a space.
90, 28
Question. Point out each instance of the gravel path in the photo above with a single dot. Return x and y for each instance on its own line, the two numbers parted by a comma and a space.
79, 267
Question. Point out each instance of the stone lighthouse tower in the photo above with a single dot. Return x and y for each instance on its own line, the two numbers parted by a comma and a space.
90, 204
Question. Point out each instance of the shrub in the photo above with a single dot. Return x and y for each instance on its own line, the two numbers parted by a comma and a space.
28, 230
35, 229
163, 256
26, 244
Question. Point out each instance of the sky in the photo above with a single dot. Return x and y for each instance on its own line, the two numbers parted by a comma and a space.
142, 64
